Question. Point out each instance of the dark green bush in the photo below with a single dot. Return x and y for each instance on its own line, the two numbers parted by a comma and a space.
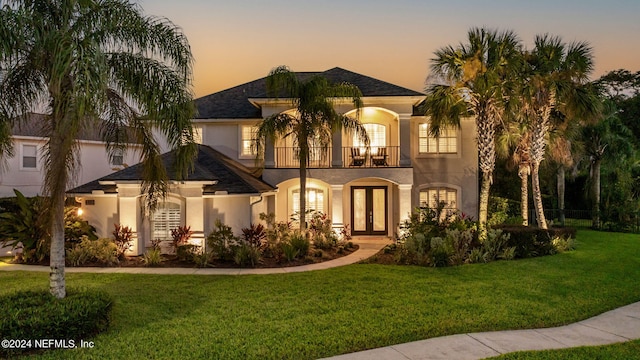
531, 241
38, 315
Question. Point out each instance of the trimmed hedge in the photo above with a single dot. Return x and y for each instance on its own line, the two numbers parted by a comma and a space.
532, 241
36, 315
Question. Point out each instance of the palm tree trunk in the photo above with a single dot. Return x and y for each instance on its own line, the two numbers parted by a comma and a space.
595, 192
304, 157
560, 176
523, 173
57, 283
484, 203
537, 195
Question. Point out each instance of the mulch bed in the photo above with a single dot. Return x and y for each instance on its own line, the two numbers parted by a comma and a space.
171, 261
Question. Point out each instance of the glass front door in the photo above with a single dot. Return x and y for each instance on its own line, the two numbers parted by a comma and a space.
369, 210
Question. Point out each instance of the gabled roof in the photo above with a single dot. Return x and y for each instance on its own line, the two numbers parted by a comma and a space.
33, 125
234, 103
209, 165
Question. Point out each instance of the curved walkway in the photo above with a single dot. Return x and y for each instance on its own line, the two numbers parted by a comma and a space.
619, 325
367, 248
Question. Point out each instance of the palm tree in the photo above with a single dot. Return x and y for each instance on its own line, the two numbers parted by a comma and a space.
94, 64
554, 80
608, 139
513, 143
314, 119
476, 82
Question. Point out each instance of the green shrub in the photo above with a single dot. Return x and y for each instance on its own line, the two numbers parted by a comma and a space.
76, 227
221, 240
300, 242
187, 252
31, 315
440, 252
563, 244
461, 242
321, 231
476, 256
531, 241
101, 251
26, 225
494, 245
152, 257
246, 255
289, 251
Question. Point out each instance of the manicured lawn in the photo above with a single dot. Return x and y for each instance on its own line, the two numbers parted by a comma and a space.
625, 351
323, 313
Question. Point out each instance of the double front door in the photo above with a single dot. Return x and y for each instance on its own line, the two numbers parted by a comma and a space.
369, 210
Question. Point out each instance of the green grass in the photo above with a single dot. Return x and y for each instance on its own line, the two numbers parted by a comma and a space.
322, 313
624, 351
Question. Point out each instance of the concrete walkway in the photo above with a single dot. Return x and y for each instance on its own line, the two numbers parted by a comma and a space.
368, 248
617, 325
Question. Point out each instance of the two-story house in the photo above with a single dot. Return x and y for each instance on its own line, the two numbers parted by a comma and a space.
24, 171
369, 190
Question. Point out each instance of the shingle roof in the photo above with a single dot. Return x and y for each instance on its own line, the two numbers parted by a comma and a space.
233, 103
32, 125
210, 165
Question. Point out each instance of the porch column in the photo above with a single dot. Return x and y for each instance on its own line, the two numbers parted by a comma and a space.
405, 139
128, 214
337, 216
336, 150
194, 217
269, 154
404, 201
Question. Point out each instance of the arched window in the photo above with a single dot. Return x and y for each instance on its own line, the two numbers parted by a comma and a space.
377, 137
167, 217
431, 197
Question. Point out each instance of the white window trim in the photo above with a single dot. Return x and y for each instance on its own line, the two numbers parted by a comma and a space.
38, 159
241, 128
171, 200
325, 201
458, 190
457, 154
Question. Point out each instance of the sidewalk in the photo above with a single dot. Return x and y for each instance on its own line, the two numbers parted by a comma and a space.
368, 248
619, 325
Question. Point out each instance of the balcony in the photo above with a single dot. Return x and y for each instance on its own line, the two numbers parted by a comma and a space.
352, 157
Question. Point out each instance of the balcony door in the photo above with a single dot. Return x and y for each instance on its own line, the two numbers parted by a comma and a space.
369, 210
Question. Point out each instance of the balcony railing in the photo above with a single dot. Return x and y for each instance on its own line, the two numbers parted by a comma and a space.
352, 157
287, 157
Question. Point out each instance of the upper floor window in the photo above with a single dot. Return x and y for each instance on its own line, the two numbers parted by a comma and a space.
118, 158
377, 136
248, 138
447, 143
29, 156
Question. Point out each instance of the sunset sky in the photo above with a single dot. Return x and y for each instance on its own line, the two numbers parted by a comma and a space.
234, 42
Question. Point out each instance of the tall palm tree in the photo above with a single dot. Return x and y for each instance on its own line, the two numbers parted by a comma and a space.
513, 143
608, 139
554, 79
476, 81
314, 119
94, 63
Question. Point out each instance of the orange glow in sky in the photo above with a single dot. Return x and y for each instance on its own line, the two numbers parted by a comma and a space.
234, 42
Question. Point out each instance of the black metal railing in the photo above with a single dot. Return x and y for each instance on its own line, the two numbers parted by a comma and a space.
352, 157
